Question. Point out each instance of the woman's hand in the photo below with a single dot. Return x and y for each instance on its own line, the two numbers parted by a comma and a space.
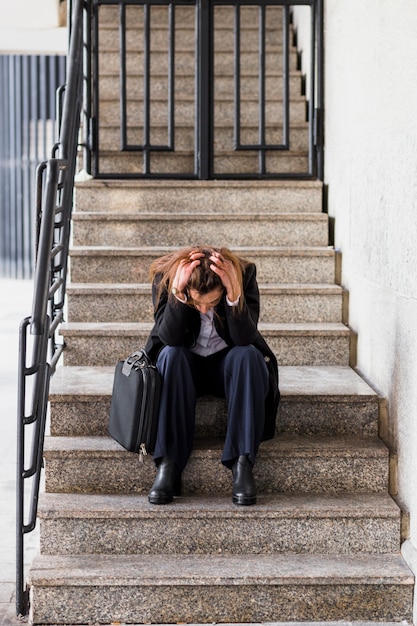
227, 274
185, 269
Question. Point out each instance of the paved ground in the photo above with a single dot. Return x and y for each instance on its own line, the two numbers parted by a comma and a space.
15, 305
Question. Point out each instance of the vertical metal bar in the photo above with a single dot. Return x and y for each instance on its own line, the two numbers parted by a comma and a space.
43, 80
146, 86
46, 239
89, 139
8, 141
3, 101
319, 112
14, 91
96, 90
21, 595
34, 110
123, 76
27, 118
9, 157
18, 168
69, 18
262, 103
171, 78
27, 187
39, 436
9, 187
286, 77
204, 89
311, 102
237, 76
10, 166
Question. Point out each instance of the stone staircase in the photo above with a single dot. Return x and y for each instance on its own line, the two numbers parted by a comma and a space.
323, 541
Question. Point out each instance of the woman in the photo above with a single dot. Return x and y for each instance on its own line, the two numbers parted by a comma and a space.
205, 341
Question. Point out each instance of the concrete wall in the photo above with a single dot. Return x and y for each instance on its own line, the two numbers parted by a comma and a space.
371, 173
32, 27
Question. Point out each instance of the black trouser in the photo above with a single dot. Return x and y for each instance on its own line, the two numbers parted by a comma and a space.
238, 374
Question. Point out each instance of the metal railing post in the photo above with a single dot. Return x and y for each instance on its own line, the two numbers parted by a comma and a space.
204, 89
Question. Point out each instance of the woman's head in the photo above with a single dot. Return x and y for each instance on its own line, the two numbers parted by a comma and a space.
202, 280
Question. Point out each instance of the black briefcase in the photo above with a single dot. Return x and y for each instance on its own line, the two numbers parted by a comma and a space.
134, 405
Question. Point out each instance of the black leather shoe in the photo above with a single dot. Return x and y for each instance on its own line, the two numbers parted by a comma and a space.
167, 483
244, 491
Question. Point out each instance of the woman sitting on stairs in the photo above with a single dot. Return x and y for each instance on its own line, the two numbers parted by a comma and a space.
205, 341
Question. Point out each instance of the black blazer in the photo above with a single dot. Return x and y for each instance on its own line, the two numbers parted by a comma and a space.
177, 324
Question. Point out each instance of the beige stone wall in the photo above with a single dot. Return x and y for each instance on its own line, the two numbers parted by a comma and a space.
371, 170
371, 173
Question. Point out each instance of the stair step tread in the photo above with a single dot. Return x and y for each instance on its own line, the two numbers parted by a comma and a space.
276, 524
276, 506
267, 289
318, 400
133, 570
187, 155
220, 99
276, 329
370, 447
306, 251
201, 184
85, 216
223, 97
295, 381
301, 464
219, 125
127, 264
205, 195
180, 228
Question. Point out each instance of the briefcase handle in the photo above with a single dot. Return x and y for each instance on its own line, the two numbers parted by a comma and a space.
136, 360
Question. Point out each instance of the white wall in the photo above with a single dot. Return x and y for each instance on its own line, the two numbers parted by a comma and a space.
371, 173
31, 26
29, 14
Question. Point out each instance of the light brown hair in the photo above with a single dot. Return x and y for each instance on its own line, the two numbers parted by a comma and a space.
203, 279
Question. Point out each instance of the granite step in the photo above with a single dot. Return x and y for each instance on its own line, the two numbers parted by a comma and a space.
109, 136
185, 36
185, 26
185, 86
185, 62
179, 196
185, 17
112, 264
165, 163
179, 229
219, 588
98, 302
294, 344
277, 524
323, 401
288, 464
185, 33
224, 111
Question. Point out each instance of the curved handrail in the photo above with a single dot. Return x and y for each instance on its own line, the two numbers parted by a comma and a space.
37, 334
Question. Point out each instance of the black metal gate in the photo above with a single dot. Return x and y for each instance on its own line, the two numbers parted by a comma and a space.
205, 89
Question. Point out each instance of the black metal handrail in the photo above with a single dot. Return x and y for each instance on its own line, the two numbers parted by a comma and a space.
39, 331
